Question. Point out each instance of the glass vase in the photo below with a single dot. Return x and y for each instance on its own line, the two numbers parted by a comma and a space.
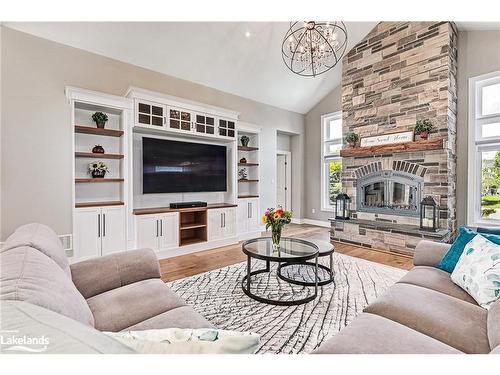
276, 236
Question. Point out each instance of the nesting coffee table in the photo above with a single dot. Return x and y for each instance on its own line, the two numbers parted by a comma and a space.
292, 251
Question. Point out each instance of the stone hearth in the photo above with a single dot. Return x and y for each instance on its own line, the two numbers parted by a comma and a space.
400, 72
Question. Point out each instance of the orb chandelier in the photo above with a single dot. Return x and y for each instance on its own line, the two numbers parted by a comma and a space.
311, 48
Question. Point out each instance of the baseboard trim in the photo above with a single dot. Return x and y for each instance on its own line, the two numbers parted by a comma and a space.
297, 220
319, 223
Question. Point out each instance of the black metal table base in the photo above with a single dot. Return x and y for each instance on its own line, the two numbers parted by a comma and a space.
329, 270
246, 285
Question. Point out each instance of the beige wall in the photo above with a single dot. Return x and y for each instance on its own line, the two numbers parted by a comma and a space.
312, 162
36, 133
478, 53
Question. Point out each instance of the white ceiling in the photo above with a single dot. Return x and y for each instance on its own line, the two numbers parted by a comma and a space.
214, 54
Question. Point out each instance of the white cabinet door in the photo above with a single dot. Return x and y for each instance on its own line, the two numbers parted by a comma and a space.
229, 222
113, 230
150, 114
253, 215
242, 216
180, 120
147, 232
169, 231
215, 223
87, 233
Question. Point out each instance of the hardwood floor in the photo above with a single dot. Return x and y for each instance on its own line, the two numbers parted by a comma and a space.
192, 264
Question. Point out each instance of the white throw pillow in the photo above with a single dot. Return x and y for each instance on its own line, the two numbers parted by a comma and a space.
478, 271
188, 341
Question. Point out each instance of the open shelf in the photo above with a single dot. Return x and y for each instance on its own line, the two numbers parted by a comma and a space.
247, 148
248, 164
240, 180
98, 131
192, 226
98, 204
97, 180
95, 155
247, 196
191, 241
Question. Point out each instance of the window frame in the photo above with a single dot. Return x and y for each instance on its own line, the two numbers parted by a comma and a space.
327, 158
478, 144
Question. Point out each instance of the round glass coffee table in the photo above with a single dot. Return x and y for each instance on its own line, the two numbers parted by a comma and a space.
291, 251
326, 249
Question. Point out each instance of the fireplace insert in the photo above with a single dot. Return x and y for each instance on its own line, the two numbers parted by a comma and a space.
390, 192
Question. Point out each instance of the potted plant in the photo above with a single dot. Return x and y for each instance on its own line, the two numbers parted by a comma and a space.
351, 138
98, 169
423, 127
100, 119
244, 140
276, 219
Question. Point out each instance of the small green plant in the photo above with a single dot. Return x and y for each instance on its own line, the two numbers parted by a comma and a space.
100, 119
351, 138
423, 125
244, 140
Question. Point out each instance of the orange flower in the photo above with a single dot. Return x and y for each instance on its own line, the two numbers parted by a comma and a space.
276, 216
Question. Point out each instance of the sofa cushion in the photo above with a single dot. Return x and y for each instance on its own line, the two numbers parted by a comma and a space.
28, 275
124, 307
373, 334
62, 335
494, 324
179, 317
436, 279
478, 271
457, 323
42, 238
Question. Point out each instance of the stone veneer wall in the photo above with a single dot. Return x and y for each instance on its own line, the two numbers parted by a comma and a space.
400, 72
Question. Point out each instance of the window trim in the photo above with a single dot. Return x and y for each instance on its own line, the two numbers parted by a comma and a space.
476, 145
325, 205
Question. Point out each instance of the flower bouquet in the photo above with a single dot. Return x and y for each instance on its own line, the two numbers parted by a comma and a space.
276, 218
98, 169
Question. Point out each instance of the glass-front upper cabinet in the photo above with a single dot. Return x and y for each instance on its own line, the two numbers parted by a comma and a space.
150, 114
179, 119
204, 124
227, 128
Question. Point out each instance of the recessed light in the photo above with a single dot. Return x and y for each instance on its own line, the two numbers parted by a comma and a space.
247, 34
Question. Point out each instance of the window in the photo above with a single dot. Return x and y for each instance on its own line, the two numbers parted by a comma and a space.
331, 163
484, 150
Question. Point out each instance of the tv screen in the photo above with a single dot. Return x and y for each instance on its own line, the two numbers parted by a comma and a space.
178, 167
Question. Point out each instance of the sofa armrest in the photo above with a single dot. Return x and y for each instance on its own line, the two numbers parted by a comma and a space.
429, 253
98, 275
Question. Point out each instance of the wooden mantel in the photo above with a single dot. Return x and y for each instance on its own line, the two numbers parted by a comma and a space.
421, 145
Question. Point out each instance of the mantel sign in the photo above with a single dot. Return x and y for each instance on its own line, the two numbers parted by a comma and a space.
387, 139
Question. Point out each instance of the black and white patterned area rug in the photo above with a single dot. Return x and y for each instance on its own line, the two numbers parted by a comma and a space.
217, 295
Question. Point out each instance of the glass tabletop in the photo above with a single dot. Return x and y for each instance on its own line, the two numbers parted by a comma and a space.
291, 249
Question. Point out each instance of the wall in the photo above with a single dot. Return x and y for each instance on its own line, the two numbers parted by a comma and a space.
478, 53
36, 133
283, 142
312, 162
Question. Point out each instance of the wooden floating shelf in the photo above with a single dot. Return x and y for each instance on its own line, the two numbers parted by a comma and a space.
192, 226
247, 164
240, 180
247, 196
97, 155
247, 148
97, 180
98, 204
98, 131
423, 145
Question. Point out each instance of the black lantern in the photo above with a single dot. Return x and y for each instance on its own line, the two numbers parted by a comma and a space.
342, 206
428, 214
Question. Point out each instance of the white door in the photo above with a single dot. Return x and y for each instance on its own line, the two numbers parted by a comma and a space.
242, 215
113, 229
253, 215
87, 232
169, 231
215, 224
148, 232
281, 181
229, 222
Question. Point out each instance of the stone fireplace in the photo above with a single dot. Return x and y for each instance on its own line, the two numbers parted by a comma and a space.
400, 72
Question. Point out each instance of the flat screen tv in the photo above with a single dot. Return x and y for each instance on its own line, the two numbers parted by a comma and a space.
180, 167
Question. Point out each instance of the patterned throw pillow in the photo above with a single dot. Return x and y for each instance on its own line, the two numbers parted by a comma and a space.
478, 271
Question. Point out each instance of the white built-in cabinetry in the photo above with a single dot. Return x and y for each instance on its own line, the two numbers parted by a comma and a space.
158, 232
221, 223
248, 215
99, 231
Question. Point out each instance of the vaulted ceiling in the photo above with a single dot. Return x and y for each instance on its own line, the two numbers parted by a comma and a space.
236, 57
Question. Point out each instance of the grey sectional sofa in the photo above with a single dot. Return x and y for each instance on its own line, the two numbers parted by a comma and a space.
425, 312
121, 291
